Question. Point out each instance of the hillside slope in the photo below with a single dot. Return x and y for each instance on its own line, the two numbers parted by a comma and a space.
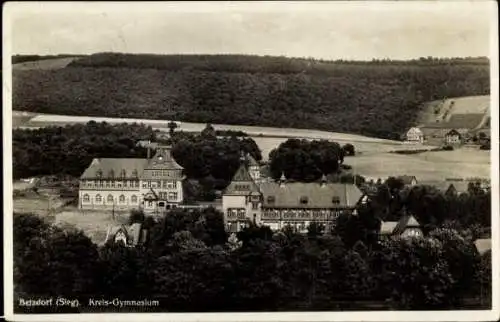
379, 98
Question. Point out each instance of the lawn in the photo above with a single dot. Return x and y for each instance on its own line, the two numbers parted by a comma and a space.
94, 224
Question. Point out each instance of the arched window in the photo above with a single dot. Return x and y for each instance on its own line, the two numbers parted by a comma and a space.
110, 198
86, 198
134, 198
122, 199
98, 198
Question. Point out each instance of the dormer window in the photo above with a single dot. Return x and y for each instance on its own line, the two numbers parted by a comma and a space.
123, 173
335, 200
111, 173
134, 173
271, 199
304, 200
99, 173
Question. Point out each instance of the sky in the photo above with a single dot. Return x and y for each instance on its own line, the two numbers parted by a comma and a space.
322, 30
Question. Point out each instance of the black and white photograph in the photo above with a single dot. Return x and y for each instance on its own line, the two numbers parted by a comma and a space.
251, 161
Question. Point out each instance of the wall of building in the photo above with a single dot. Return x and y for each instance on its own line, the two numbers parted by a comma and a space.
105, 202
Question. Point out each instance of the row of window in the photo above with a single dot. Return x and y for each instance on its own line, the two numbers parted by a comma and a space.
110, 198
167, 196
304, 200
165, 184
111, 173
111, 184
160, 173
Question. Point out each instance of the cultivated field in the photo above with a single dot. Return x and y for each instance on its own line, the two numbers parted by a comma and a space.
42, 120
44, 64
437, 165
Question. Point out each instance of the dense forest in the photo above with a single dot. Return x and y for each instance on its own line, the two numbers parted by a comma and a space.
190, 265
377, 98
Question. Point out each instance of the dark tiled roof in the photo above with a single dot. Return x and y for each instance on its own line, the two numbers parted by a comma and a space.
453, 132
242, 183
251, 161
329, 195
406, 221
112, 168
407, 179
387, 227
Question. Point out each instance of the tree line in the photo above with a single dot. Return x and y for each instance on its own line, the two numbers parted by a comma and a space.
380, 99
190, 265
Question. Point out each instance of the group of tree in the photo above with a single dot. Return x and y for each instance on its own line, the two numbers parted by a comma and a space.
188, 264
303, 160
70, 149
209, 160
376, 98
431, 207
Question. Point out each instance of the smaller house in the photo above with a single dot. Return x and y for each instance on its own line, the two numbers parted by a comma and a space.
415, 135
408, 181
406, 226
131, 236
453, 137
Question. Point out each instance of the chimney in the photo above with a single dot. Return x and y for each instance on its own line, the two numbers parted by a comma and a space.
282, 179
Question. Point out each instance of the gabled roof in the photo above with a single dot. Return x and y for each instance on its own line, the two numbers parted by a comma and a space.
387, 227
406, 221
134, 232
114, 165
113, 230
453, 132
251, 161
318, 196
242, 183
407, 179
163, 160
414, 130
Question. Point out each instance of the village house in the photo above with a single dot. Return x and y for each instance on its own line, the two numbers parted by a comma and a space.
409, 181
453, 137
130, 236
406, 226
414, 135
282, 203
153, 184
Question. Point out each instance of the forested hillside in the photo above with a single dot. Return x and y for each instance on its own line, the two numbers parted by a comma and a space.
378, 98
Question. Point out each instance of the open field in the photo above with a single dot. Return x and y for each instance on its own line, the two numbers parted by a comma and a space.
93, 223
42, 120
44, 64
437, 165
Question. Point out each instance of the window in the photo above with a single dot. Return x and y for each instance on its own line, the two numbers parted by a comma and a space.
172, 196
134, 173
98, 198
118, 184
175, 184
111, 173
134, 199
123, 173
122, 199
144, 185
149, 184
110, 198
99, 173
335, 200
150, 204
108, 183
137, 184
153, 184
304, 200
86, 198
159, 183
170, 185
255, 205
113, 184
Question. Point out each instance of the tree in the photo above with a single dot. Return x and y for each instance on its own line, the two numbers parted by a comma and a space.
348, 149
315, 229
171, 127
136, 216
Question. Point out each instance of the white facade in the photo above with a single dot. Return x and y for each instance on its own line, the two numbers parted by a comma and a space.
415, 135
